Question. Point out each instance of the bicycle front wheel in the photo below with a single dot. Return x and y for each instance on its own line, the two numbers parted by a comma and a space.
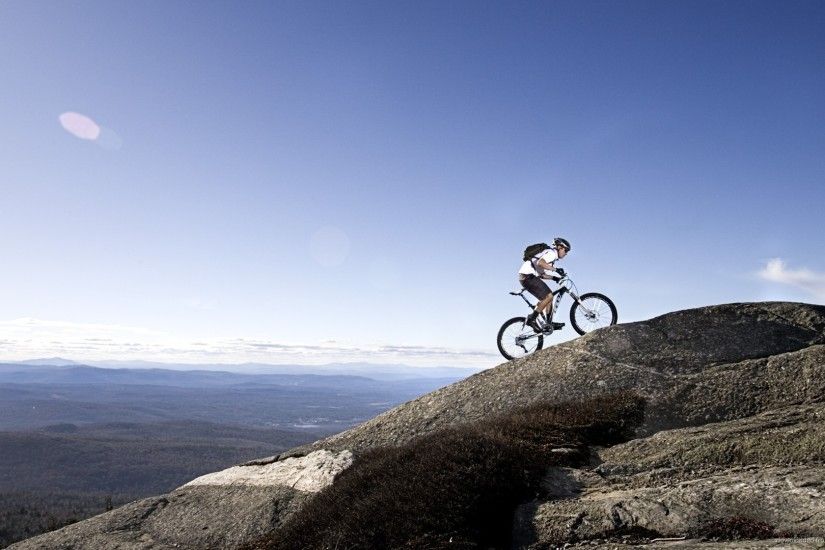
517, 339
593, 311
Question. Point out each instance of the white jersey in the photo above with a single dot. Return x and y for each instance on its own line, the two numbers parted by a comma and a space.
530, 267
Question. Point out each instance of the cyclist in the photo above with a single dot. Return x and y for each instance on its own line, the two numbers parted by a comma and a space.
541, 266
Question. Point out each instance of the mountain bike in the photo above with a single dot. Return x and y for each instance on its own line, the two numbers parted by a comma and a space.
589, 312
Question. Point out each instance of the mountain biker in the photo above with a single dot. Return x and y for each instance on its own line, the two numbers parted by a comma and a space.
541, 266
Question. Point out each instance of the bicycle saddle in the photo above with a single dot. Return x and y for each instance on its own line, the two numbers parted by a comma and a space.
517, 293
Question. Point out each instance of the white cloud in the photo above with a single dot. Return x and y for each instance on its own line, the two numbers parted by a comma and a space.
776, 271
29, 338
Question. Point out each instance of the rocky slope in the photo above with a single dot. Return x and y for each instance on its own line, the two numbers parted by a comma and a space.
732, 428
769, 467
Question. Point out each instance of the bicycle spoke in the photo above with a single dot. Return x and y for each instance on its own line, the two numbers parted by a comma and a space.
593, 313
519, 340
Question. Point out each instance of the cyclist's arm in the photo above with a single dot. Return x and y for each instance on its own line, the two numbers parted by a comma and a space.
549, 270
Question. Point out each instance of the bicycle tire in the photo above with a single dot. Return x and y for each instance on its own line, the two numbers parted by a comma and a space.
600, 301
503, 346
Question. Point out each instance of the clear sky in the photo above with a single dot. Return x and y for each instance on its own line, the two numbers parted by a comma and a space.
313, 181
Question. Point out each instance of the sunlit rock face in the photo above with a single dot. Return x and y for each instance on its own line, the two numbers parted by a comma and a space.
309, 473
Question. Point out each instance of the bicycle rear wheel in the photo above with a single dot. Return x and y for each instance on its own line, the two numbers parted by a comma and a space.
517, 339
592, 312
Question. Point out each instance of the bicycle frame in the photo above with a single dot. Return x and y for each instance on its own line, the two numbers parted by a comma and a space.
566, 285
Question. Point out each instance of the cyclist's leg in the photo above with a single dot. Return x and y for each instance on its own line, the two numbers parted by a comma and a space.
540, 290
548, 312
548, 306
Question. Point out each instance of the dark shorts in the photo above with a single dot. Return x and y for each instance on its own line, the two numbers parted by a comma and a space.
535, 286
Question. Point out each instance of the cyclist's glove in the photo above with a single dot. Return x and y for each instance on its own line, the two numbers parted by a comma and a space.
560, 271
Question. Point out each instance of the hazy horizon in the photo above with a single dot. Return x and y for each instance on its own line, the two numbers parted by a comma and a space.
243, 368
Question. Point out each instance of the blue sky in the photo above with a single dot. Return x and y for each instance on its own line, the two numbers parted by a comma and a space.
310, 181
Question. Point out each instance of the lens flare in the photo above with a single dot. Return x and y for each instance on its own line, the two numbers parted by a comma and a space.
80, 126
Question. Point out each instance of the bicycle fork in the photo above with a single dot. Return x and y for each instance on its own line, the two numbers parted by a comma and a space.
587, 311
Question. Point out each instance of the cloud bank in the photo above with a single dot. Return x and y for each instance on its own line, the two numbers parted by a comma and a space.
29, 338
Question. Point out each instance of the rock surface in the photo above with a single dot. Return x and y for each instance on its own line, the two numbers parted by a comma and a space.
309, 473
806, 543
193, 518
736, 387
769, 468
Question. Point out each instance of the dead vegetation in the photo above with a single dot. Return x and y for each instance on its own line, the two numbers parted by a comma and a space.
457, 487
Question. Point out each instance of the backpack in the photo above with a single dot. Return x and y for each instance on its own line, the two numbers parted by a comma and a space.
534, 250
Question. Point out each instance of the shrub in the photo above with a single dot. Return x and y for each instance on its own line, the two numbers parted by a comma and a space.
456, 487
738, 528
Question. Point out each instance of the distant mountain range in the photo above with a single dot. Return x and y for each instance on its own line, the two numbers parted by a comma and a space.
374, 371
34, 395
51, 362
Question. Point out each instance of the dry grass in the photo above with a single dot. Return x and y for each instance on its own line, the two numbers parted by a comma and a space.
739, 528
458, 487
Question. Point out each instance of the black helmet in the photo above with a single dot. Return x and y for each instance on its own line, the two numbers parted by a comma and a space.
558, 241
